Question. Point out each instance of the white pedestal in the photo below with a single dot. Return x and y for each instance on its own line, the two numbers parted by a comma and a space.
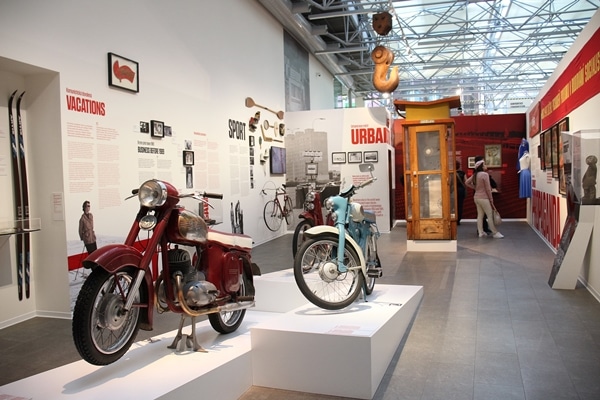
431, 245
151, 370
339, 353
277, 292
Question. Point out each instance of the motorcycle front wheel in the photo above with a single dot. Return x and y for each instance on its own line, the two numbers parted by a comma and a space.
230, 321
102, 330
317, 276
298, 238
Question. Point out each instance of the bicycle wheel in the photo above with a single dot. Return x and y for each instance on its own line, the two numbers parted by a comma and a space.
272, 215
317, 276
289, 212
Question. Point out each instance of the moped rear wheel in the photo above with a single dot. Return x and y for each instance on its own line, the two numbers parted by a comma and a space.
317, 276
272, 215
102, 330
298, 238
230, 321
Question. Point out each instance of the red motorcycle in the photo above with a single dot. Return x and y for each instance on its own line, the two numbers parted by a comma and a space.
313, 213
118, 297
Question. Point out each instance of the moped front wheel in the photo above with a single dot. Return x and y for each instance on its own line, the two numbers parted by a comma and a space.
230, 321
272, 216
102, 330
317, 275
298, 238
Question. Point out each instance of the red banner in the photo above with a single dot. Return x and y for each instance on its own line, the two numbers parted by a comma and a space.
534, 121
578, 83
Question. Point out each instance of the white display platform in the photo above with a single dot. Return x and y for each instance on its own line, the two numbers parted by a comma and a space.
277, 292
339, 353
153, 371
432, 245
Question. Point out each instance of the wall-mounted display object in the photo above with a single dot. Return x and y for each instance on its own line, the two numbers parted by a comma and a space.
338, 158
123, 73
188, 157
471, 162
167, 131
277, 160
157, 129
555, 151
312, 169
144, 127
547, 149
564, 156
493, 155
251, 141
370, 156
354, 157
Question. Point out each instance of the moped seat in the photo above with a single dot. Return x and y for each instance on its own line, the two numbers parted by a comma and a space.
370, 216
230, 239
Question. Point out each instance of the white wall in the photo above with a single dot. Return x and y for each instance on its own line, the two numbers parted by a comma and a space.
584, 117
198, 61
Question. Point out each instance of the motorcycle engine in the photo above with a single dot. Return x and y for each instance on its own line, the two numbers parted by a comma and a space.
197, 291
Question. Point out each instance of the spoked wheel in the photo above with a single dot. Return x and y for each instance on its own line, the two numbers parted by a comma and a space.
272, 216
316, 273
229, 321
102, 330
298, 238
289, 212
372, 260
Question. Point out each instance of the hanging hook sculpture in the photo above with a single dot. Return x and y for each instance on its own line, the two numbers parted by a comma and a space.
383, 58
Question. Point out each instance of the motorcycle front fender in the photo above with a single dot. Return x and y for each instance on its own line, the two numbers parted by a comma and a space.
322, 229
113, 257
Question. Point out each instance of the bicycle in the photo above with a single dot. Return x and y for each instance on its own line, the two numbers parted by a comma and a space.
274, 213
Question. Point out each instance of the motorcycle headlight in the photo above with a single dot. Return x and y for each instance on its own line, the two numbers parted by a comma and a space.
310, 196
309, 206
328, 203
356, 212
152, 194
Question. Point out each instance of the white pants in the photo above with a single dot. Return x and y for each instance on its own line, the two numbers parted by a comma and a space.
484, 207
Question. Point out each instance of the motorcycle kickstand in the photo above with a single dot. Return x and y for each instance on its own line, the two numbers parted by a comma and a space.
190, 340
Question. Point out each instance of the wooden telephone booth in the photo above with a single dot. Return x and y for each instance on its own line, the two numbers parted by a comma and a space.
429, 169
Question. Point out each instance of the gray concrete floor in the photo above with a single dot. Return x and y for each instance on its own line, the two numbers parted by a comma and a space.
489, 326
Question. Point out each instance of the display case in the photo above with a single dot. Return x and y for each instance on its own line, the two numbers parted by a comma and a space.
585, 150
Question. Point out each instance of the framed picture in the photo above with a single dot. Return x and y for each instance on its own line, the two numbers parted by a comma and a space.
251, 141
188, 157
123, 73
312, 169
493, 155
555, 151
144, 127
157, 129
547, 149
167, 131
471, 162
564, 157
354, 157
338, 158
370, 156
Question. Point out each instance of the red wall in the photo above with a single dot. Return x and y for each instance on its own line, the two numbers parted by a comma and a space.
472, 133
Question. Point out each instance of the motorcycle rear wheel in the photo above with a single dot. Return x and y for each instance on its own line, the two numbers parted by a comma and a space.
101, 331
317, 277
298, 238
230, 321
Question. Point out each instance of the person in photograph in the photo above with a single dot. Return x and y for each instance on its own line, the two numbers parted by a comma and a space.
86, 228
480, 182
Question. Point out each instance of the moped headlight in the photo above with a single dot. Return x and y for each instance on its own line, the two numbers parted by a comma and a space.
309, 206
328, 203
356, 212
310, 196
152, 194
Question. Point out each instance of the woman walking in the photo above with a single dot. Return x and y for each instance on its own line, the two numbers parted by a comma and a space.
480, 181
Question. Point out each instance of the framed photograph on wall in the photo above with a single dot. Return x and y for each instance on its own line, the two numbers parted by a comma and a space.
188, 157
371, 156
493, 155
157, 129
354, 157
547, 149
564, 157
555, 151
338, 158
123, 73
471, 162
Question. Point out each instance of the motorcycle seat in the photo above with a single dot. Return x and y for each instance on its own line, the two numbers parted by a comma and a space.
230, 239
370, 216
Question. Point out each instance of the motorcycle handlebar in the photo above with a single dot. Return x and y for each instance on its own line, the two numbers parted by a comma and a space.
212, 195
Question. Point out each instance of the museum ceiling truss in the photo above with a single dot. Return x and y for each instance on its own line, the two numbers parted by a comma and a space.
491, 53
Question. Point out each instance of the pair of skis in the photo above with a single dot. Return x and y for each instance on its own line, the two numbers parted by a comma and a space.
21, 197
